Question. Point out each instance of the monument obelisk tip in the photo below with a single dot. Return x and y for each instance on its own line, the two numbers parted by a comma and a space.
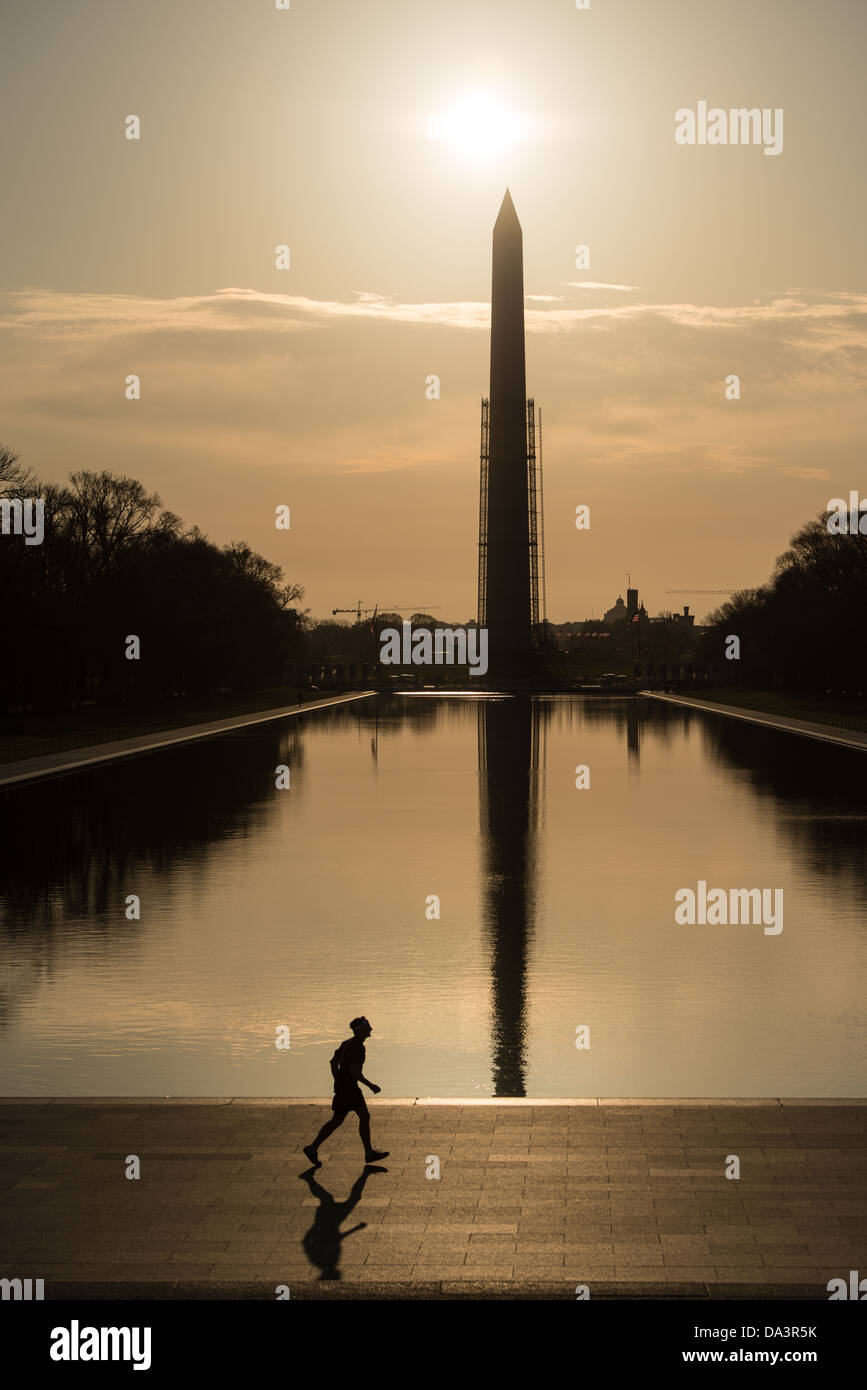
507, 210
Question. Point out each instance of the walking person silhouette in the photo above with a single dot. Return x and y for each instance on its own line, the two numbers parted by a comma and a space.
346, 1068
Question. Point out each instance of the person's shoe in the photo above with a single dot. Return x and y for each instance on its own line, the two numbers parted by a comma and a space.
313, 1156
375, 1155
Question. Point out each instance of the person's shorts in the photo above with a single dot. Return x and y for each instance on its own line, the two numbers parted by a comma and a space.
341, 1105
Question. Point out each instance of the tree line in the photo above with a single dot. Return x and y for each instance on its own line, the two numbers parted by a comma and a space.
800, 630
114, 564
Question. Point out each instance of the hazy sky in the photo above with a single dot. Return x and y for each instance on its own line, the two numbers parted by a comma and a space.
306, 386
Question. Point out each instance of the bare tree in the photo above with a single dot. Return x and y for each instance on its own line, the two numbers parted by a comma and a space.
15, 479
104, 516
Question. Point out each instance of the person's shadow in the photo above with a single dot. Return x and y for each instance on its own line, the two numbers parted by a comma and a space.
322, 1241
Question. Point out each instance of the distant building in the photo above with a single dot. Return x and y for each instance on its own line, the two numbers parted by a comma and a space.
625, 612
684, 620
627, 626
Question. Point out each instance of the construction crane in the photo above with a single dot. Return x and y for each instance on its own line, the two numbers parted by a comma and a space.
357, 610
702, 591
402, 607
384, 608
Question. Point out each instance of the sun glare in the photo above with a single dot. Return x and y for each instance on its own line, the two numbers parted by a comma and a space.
478, 127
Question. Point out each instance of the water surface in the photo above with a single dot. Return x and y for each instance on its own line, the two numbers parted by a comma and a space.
303, 907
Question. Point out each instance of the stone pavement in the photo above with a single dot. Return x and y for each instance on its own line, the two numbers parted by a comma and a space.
70, 759
533, 1198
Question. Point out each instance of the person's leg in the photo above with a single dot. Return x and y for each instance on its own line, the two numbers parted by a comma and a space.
371, 1154
364, 1129
328, 1128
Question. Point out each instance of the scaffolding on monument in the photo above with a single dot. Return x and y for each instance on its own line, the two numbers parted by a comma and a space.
535, 510
542, 589
538, 600
485, 458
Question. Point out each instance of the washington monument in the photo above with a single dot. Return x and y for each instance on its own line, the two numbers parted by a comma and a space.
509, 553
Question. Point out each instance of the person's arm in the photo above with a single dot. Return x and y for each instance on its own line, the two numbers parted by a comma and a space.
356, 1074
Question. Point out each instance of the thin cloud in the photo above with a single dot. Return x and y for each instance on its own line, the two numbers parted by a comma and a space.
796, 472
840, 317
227, 310
599, 285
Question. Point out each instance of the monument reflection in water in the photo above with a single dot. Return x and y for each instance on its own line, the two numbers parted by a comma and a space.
509, 802
511, 797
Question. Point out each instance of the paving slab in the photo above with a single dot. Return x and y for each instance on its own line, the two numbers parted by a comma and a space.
225, 1212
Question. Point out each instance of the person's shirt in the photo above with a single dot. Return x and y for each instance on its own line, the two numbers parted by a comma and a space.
352, 1050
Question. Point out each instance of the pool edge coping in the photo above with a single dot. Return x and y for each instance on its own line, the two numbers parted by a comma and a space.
785, 724
22, 770
634, 1102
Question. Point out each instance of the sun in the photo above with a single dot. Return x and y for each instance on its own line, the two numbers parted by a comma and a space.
478, 127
